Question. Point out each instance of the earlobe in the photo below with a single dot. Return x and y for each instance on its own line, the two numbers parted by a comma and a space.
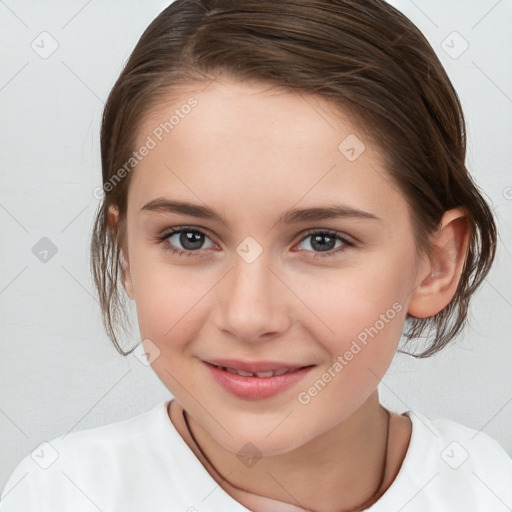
440, 274
113, 225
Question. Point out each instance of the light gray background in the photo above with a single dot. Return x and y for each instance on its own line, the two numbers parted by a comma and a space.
58, 370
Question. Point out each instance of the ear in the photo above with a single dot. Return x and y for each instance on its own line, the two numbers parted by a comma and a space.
440, 272
113, 225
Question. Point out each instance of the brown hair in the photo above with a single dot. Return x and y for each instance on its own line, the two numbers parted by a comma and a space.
365, 57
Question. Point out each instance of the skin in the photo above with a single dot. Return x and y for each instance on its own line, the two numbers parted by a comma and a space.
251, 152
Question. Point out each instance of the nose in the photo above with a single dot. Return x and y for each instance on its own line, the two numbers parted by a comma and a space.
252, 302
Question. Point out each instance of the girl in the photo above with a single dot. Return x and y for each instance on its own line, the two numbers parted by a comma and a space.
285, 195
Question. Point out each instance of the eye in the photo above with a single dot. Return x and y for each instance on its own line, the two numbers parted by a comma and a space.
191, 241
323, 243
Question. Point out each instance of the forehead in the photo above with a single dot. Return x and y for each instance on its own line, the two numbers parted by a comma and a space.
251, 141
252, 109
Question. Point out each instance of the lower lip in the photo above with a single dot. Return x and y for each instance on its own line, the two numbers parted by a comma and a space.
256, 388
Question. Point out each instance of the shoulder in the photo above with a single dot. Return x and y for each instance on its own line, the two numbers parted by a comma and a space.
69, 467
450, 467
461, 445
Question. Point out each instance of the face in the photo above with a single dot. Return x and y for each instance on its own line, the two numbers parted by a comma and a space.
299, 256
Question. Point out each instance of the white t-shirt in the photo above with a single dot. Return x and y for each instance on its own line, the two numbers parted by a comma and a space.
142, 463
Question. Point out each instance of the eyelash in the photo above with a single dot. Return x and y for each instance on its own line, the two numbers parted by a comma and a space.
162, 239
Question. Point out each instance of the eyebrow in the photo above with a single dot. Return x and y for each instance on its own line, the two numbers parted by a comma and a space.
291, 216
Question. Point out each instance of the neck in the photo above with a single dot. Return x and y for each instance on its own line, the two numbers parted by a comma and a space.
344, 469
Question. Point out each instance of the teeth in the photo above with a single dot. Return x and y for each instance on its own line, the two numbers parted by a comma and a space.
256, 374
243, 374
237, 372
265, 374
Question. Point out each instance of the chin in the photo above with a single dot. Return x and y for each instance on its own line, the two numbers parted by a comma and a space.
264, 440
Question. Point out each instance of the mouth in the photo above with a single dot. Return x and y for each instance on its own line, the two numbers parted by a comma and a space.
261, 375
260, 369
256, 380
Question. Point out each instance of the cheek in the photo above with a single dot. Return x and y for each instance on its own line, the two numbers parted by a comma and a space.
159, 298
170, 300
364, 313
365, 304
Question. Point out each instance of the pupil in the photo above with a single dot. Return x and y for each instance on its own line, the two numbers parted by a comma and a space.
318, 245
191, 240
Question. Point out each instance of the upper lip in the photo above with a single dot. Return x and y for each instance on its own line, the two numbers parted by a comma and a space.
254, 366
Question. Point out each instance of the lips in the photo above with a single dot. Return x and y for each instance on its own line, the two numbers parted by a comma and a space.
255, 380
